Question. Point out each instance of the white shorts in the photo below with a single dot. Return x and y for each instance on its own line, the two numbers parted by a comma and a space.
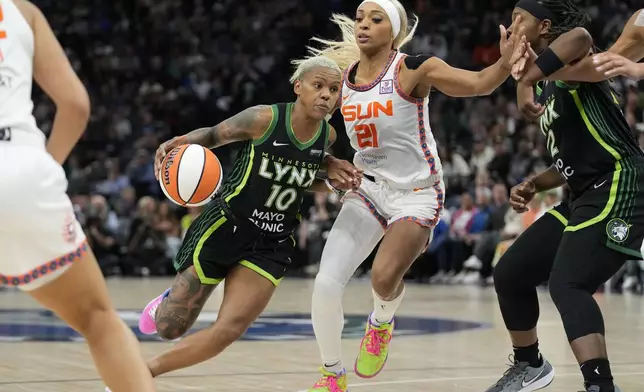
39, 235
389, 205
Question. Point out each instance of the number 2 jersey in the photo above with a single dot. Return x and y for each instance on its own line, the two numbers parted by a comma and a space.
389, 129
587, 135
270, 175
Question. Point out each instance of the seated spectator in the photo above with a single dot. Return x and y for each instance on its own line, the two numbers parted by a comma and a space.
485, 244
102, 237
168, 224
459, 235
146, 246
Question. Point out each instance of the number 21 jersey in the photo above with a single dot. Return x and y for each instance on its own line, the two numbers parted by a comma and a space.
389, 129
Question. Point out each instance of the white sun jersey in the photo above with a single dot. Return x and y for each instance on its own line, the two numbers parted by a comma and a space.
390, 130
17, 122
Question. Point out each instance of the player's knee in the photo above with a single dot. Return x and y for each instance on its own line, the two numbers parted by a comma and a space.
326, 287
562, 292
96, 323
231, 328
505, 276
384, 283
171, 331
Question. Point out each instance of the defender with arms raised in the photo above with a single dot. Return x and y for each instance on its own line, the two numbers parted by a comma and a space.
385, 109
578, 246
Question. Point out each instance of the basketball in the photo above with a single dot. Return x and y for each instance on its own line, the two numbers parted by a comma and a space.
190, 175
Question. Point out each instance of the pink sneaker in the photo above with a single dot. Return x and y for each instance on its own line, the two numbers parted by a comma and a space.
147, 324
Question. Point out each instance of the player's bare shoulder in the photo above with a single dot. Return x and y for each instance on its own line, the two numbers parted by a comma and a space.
29, 11
250, 123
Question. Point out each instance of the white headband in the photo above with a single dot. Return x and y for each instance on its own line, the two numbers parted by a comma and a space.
391, 11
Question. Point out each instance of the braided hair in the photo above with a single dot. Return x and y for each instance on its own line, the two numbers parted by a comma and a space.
568, 14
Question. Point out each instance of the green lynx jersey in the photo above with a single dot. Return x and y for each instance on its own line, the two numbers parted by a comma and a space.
271, 174
586, 132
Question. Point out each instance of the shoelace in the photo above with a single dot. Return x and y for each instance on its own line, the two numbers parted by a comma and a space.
330, 382
511, 373
375, 339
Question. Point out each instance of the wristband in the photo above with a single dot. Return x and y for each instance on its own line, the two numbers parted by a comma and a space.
333, 189
548, 62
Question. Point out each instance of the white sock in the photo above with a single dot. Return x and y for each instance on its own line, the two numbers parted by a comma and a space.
383, 311
328, 321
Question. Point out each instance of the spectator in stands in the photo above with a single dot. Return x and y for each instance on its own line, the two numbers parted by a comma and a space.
485, 244
102, 225
459, 235
146, 246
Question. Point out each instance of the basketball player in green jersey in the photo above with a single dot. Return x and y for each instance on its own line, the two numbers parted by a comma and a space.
245, 234
576, 247
620, 59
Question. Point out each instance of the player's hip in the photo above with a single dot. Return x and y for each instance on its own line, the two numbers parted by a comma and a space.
614, 205
420, 205
32, 184
219, 236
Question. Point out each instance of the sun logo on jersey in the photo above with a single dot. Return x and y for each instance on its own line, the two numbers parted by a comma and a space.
617, 230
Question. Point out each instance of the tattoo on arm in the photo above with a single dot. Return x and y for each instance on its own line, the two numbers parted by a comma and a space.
177, 312
242, 126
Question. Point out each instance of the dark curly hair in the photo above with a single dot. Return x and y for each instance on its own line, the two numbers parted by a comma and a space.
568, 14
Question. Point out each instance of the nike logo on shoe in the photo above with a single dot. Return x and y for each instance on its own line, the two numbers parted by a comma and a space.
525, 382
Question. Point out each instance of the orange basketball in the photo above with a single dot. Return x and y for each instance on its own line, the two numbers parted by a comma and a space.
190, 175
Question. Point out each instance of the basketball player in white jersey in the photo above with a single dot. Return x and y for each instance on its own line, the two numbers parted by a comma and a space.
384, 103
45, 252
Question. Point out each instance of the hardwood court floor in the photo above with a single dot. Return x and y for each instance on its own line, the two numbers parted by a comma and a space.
451, 339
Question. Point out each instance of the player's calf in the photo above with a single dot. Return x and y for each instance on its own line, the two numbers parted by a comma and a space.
171, 314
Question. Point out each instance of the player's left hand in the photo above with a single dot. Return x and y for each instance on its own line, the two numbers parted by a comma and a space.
525, 102
513, 47
163, 150
521, 66
612, 64
345, 186
343, 173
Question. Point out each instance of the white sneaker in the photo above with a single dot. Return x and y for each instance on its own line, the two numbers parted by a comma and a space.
473, 262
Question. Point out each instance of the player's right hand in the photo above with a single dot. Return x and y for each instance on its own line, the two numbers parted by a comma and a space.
526, 104
348, 176
163, 150
612, 64
521, 195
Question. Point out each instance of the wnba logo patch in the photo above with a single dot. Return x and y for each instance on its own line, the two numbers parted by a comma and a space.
69, 228
387, 86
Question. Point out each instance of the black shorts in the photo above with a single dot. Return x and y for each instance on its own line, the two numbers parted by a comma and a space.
532, 254
611, 211
216, 242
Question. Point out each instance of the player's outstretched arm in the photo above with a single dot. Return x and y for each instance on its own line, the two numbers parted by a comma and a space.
629, 45
249, 124
567, 48
55, 75
457, 82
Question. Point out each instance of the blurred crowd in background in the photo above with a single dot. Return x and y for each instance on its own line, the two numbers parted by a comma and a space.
155, 70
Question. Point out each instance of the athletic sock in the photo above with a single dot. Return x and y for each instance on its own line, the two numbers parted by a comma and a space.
383, 311
597, 372
333, 367
529, 354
